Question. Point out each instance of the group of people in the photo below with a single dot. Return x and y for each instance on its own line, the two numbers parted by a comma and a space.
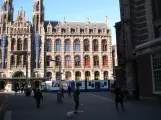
118, 98
75, 96
19, 88
38, 96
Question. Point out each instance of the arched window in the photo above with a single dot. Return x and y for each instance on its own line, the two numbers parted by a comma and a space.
96, 60
87, 75
67, 45
19, 44
77, 60
48, 60
87, 60
105, 61
104, 30
104, 45
95, 45
86, 45
49, 45
57, 58
58, 46
68, 61
97, 75
19, 60
68, 75
78, 75
12, 60
25, 44
76, 45
13, 44
49, 75
105, 75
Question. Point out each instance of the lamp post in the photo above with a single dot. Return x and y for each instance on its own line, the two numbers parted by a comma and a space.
59, 98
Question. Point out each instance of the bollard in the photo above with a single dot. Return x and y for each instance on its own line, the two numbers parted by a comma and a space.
59, 98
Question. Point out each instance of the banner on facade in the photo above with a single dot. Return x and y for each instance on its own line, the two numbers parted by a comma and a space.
3, 43
37, 49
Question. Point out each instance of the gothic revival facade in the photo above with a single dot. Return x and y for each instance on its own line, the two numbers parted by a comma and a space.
84, 48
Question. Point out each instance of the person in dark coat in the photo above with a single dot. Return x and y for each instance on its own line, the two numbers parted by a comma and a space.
76, 98
38, 96
62, 92
69, 91
119, 98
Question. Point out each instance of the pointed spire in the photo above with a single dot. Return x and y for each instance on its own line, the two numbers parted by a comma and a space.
87, 20
64, 19
106, 19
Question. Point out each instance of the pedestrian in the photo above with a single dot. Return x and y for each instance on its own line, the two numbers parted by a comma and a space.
38, 96
69, 91
76, 98
119, 98
62, 92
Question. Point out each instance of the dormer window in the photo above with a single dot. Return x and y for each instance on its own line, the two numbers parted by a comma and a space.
49, 30
77, 29
95, 30
58, 29
68, 30
86, 30
104, 30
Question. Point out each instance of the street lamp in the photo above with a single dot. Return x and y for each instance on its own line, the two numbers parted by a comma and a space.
59, 98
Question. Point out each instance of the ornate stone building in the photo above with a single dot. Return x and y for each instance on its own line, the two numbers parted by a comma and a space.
84, 48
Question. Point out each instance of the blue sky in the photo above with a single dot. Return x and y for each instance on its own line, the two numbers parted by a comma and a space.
74, 10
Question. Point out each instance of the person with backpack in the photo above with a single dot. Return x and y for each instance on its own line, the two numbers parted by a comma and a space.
76, 98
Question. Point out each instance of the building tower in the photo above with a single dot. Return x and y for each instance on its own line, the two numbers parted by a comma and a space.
38, 16
6, 13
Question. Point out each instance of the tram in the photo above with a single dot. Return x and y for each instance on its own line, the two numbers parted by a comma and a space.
84, 86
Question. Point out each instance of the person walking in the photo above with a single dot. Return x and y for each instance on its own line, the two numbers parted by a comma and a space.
62, 92
119, 98
38, 96
69, 91
76, 98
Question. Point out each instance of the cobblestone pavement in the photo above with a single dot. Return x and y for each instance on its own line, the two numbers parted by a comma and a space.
95, 106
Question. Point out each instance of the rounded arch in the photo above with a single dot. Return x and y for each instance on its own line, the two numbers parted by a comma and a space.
87, 75
18, 74
104, 45
96, 75
57, 58
58, 45
76, 45
105, 60
86, 44
87, 60
13, 44
77, 60
67, 60
77, 75
49, 75
49, 45
105, 75
96, 60
68, 75
19, 44
95, 45
67, 45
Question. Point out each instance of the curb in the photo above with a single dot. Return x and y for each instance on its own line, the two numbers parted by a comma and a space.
7, 115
